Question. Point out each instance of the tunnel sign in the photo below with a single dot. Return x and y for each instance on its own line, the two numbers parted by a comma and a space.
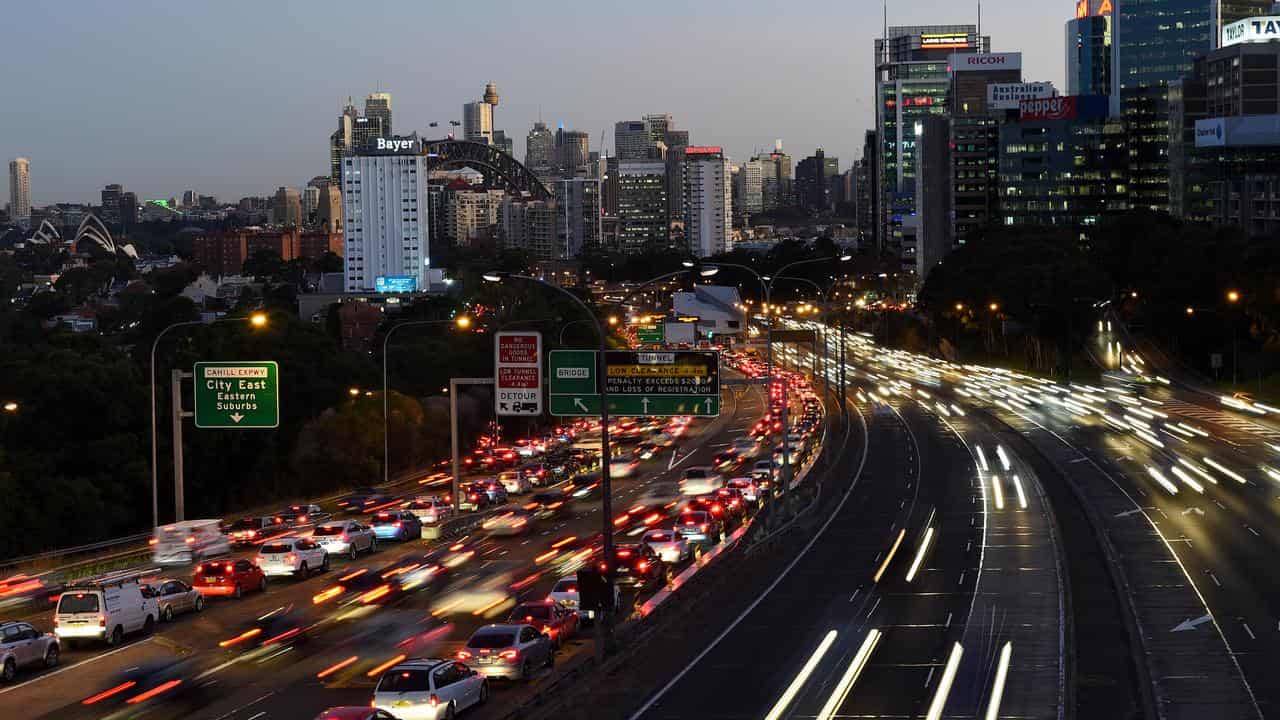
237, 394
685, 382
518, 373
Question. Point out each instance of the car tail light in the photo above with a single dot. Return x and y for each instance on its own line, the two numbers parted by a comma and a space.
102, 621
509, 654
345, 538
642, 565
253, 533
464, 655
397, 524
191, 540
703, 527
152, 541
291, 558
434, 700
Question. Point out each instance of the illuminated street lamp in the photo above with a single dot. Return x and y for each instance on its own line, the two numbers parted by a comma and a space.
462, 322
1233, 296
11, 407
353, 392
1190, 310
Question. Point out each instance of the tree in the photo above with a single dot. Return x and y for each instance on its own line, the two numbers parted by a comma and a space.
265, 265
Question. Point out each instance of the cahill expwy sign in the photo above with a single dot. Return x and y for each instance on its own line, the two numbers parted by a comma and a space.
961, 62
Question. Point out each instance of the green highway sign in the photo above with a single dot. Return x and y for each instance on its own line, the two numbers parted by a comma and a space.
685, 382
650, 335
237, 394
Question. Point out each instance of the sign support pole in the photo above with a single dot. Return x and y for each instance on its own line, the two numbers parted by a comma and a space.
179, 494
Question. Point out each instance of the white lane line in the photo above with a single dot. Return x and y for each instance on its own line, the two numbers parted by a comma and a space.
776, 581
873, 607
65, 668
924, 547
259, 715
944, 685
850, 676
1250, 631
997, 687
790, 693
246, 705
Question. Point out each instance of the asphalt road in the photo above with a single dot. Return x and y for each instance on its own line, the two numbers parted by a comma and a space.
285, 686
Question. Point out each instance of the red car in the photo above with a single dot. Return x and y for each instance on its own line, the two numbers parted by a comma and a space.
228, 577
552, 618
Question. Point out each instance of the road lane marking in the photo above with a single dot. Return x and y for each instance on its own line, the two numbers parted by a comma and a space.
251, 703
65, 668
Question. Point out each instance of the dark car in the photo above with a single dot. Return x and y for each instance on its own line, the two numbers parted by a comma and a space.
548, 505
586, 485
637, 565
474, 497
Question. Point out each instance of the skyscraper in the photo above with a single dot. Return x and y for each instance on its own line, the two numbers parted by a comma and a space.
128, 211
540, 147
1156, 42
642, 203
578, 216
190, 199
572, 149
776, 179
708, 201
751, 178
632, 141
1089, 48
911, 83
975, 137
111, 203
340, 142
477, 122
364, 131
20, 190
286, 208
378, 105
812, 175
384, 210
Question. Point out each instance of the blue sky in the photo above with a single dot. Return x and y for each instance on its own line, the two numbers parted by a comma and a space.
236, 98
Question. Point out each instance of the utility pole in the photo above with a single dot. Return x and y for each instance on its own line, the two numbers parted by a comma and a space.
179, 494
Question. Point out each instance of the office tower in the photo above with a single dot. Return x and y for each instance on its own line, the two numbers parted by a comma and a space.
540, 147
572, 149
811, 180
776, 181
751, 178
911, 83
128, 212
1068, 149
504, 143
329, 208
1089, 37
378, 105
287, 207
933, 193
341, 141
708, 201
384, 201
190, 199
310, 202
1224, 134
659, 126
111, 203
20, 191
471, 213
976, 98
477, 122
609, 186
641, 203
578, 216
632, 141
364, 133
675, 182
528, 225
1150, 52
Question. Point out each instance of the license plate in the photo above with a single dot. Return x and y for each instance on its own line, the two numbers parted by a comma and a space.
401, 703
484, 660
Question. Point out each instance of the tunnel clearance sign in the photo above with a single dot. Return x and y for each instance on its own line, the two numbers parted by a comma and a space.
518, 373
685, 382
237, 394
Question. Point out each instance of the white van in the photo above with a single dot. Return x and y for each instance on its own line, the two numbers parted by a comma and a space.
700, 481
104, 609
188, 542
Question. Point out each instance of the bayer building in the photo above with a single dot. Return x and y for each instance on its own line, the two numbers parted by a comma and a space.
384, 204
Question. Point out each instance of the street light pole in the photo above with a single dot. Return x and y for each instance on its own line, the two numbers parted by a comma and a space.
256, 319
386, 427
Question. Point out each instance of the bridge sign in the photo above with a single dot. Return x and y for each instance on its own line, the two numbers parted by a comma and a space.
237, 394
685, 382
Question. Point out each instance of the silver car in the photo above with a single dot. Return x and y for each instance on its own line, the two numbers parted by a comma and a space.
508, 651
24, 646
173, 597
429, 689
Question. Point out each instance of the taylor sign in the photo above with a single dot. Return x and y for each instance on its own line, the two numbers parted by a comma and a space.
1251, 30
518, 373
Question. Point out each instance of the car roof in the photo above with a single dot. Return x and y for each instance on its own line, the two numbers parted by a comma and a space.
496, 628
416, 664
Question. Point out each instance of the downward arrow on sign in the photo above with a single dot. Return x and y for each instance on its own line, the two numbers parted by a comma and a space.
237, 417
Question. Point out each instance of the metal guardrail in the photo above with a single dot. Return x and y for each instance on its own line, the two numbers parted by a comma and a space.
77, 550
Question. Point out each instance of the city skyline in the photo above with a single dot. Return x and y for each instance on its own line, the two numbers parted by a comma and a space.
219, 122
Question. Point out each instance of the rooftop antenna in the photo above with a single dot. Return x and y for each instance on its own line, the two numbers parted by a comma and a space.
979, 38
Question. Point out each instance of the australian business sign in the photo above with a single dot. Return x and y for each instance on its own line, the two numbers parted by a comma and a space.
395, 283
1065, 107
1006, 96
962, 62
1211, 132
1239, 131
1250, 30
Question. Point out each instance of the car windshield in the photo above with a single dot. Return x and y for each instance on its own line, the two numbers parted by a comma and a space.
489, 641
568, 585
404, 681
324, 530
273, 548
695, 473
537, 612
78, 603
211, 570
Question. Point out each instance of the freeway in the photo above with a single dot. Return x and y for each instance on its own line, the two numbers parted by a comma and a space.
286, 685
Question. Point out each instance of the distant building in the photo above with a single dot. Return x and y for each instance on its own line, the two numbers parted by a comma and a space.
111, 203
540, 147
128, 211
384, 214
641, 203
224, 252
811, 180
329, 209
477, 122
190, 199
364, 132
933, 191
1068, 150
632, 141
310, 203
470, 214
528, 225
287, 207
718, 308
751, 179
20, 190
377, 106
708, 201
777, 188
578, 216
1089, 48
342, 141
572, 149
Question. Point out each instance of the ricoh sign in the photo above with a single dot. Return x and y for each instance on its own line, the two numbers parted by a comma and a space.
968, 62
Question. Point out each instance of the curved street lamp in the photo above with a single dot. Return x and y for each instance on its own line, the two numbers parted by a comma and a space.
462, 322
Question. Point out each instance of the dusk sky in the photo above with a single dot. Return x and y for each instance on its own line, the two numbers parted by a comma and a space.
236, 98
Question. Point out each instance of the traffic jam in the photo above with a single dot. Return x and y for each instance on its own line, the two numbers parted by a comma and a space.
404, 604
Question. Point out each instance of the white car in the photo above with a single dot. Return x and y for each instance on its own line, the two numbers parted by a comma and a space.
700, 481
106, 609
750, 492
669, 545
430, 509
515, 482
21, 645
422, 689
661, 492
345, 537
188, 542
294, 556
